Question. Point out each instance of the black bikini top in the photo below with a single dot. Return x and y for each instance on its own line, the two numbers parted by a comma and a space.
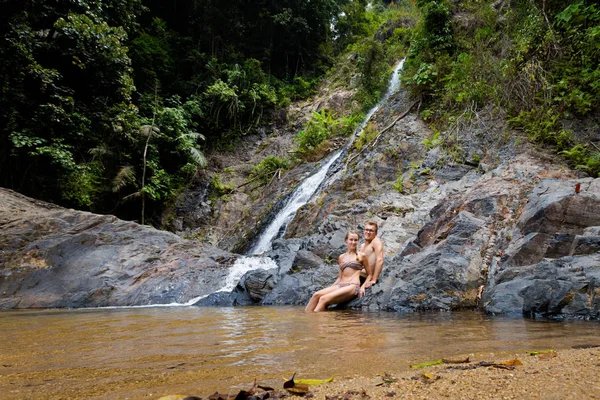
352, 264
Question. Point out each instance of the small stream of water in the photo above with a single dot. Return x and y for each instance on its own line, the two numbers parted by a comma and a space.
298, 198
393, 86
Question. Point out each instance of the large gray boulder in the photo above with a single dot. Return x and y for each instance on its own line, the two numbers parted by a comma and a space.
297, 288
567, 287
54, 257
551, 267
444, 276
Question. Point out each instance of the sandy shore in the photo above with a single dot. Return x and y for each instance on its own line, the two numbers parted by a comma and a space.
566, 374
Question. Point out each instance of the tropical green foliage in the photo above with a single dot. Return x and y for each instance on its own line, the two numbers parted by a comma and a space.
266, 169
66, 90
539, 61
323, 125
365, 137
109, 105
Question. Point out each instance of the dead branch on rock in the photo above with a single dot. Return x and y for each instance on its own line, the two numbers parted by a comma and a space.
248, 182
374, 142
275, 173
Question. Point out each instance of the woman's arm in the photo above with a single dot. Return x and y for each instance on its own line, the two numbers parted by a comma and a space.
339, 278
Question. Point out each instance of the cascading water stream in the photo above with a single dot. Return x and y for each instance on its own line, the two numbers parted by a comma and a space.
303, 193
307, 189
237, 271
298, 198
393, 87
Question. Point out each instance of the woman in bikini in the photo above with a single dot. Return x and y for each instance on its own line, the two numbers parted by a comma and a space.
347, 284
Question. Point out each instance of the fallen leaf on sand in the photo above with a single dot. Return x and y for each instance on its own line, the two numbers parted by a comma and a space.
453, 361
385, 380
548, 356
513, 363
313, 381
426, 377
427, 364
495, 365
295, 388
535, 353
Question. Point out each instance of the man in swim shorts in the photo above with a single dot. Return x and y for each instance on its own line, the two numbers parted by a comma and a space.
373, 248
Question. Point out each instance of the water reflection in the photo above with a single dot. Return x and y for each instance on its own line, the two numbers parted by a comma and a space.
132, 353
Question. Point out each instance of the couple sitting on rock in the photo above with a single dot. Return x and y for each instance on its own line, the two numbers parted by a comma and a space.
354, 263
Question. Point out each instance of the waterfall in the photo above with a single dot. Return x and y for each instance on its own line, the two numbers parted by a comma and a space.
300, 196
305, 191
236, 272
297, 199
394, 85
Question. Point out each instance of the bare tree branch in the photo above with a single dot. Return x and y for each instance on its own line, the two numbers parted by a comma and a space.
372, 144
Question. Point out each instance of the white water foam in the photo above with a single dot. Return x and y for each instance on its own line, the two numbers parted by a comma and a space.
236, 272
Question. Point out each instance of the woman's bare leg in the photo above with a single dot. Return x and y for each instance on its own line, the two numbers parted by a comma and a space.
338, 296
314, 300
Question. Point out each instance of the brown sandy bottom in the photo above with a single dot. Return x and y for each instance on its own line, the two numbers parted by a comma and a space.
570, 374
564, 374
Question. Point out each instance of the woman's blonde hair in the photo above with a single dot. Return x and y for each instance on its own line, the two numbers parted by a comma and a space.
351, 233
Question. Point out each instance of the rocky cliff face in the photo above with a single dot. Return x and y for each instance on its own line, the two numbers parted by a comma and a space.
501, 226
488, 223
509, 241
552, 264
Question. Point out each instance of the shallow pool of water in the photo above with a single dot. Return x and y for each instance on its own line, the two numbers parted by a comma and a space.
146, 353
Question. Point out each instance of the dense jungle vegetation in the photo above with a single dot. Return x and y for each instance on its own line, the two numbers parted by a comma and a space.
111, 105
534, 64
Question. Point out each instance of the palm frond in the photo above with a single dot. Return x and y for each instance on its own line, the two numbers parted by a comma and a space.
198, 156
125, 175
132, 196
193, 135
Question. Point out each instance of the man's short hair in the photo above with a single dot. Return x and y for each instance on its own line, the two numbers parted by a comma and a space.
373, 224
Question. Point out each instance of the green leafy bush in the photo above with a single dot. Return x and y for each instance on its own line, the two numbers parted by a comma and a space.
399, 184
543, 126
432, 142
366, 136
268, 166
220, 188
321, 126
